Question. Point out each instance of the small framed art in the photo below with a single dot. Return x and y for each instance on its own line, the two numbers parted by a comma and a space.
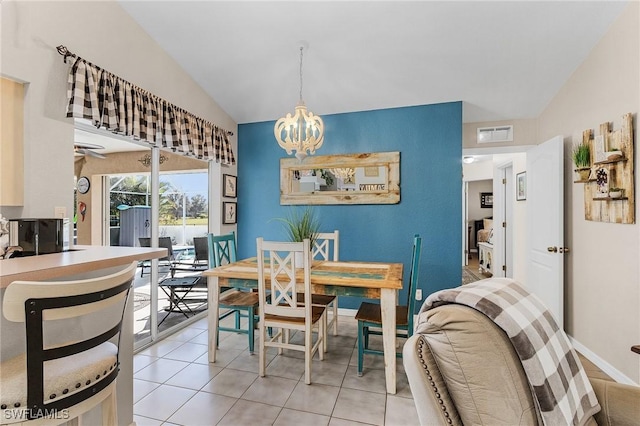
229, 213
486, 200
521, 186
229, 188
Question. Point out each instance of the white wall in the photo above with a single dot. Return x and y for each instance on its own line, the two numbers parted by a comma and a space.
102, 33
602, 277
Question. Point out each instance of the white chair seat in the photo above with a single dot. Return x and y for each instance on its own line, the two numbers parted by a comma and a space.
63, 377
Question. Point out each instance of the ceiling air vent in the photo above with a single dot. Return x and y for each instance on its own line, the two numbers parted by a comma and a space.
495, 134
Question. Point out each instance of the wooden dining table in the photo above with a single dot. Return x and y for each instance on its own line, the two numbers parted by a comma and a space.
371, 280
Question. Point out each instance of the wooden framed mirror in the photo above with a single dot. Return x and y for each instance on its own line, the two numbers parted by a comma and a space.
368, 178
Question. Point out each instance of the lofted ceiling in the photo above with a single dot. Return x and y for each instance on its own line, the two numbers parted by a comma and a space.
504, 60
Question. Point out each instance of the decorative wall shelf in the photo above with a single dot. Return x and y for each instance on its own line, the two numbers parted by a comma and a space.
616, 173
610, 161
610, 199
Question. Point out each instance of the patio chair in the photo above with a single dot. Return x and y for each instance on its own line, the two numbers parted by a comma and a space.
200, 261
163, 242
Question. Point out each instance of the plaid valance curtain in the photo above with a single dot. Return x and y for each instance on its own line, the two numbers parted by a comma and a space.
123, 108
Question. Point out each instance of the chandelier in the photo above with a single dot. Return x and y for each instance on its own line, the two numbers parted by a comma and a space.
344, 173
302, 132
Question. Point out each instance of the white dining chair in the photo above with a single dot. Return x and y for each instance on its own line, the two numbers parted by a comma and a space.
62, 377
279, 306
326, 246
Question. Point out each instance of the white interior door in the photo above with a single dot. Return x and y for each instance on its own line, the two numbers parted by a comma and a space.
545, 225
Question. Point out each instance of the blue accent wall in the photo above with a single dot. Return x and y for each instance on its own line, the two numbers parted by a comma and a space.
429, 139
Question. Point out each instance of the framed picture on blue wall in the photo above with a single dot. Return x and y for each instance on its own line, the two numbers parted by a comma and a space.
229, 213
229, 186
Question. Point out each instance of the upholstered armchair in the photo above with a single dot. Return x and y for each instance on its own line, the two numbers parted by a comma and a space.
462, 369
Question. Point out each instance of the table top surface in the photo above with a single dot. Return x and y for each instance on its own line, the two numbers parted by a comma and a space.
341, 273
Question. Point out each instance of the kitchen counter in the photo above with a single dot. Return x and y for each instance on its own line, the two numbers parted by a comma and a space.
80, 260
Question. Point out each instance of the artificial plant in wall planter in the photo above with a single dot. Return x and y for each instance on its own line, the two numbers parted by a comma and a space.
581, 155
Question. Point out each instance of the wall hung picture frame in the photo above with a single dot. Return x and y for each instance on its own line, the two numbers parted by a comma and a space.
486, 200
229, 186
521, 186
229, 213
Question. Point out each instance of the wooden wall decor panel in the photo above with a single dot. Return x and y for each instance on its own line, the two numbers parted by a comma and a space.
620, 172
384, 192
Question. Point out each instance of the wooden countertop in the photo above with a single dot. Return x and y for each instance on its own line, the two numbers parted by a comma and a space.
77, 261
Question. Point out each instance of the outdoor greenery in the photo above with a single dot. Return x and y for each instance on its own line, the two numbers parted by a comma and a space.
134, 191
581, 155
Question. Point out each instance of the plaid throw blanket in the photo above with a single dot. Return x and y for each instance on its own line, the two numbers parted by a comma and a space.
560, 386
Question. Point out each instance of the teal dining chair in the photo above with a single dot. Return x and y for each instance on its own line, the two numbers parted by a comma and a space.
369, 316
222, 250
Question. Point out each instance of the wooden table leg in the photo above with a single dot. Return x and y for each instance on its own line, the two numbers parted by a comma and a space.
388, 301
213, 294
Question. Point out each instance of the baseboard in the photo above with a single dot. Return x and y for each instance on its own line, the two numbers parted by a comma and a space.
603, 365
346, 311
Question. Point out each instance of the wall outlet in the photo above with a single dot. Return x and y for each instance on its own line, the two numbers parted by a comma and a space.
419, 294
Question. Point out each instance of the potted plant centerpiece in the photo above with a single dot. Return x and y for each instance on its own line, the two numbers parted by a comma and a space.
300, 225
581, 156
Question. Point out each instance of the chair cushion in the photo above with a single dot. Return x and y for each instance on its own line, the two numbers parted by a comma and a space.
370, 312
316, 313
62, 377
318, 299
239, 299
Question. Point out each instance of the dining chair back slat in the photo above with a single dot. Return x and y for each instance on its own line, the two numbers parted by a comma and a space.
221, 251
414, 277
326, 246
278, 277
323, 243
369, 315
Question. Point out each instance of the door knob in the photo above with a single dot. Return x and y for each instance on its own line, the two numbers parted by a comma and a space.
553, 249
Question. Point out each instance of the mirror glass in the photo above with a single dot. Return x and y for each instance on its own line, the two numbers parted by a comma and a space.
370, 178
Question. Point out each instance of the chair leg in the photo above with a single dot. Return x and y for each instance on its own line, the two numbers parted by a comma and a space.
110, 409
365, 331
308, 344
237, 315
322, 334
262, 349
323, 324
335, 316
251, 330
360, 347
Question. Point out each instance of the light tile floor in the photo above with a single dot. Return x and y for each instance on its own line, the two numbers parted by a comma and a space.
174, 384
